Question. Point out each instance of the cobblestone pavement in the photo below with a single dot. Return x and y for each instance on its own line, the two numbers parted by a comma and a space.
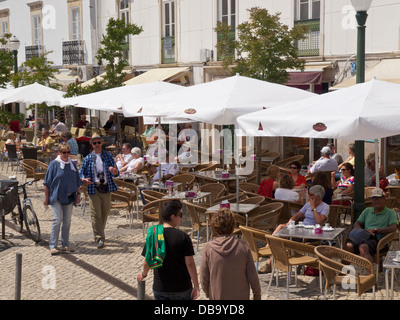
110, 273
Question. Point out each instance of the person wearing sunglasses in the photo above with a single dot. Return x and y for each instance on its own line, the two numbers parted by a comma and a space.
97, 173
299, 180
62, 190
345, 186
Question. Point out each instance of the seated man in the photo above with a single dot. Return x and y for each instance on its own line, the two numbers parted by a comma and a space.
47, 142
168, 170
123, 159
59, 127
73, 145
378, 221
83, 122
325, 163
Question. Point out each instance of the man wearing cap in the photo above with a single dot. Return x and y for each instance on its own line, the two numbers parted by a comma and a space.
97, 173
334, 155
378, 221
325, 163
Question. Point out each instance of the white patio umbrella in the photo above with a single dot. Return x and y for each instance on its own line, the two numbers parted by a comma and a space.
365, 111
113, 99
217, 102
32, 94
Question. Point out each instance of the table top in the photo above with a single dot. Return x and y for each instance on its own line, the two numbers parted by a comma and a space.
216, 175
155, 185
308, 233
129, 175
182, 196
243, 207
388, 262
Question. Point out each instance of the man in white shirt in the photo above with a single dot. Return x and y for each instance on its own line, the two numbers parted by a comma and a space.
325, 163
123, 159
59, 127
168, 170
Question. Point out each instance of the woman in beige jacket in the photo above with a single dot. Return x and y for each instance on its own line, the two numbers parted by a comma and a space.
227, 270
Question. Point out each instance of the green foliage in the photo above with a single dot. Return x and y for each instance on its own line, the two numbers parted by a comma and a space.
7, 116
265, 47
113, 42
6, 62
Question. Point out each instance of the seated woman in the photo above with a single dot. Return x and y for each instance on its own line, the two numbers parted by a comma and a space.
345, 186
299, 180
315, 211
322, 179
285, 192
137, 163
269, 184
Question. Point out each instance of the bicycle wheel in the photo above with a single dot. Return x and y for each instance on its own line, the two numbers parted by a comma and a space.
16, 217
31, 223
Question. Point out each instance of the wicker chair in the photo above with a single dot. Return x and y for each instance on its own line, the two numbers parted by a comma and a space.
286, 254
332, 263
34, 168
287, 209
252, 236
151, 212
254, 200
151, 195
381, 250
249, 188
216, 190
121, 200
229, 197
131, 189
184, 178
335, 212
266, 217
196, 212
285, 163
394, 192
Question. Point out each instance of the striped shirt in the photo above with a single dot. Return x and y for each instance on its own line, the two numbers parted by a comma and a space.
73, 146
88, 168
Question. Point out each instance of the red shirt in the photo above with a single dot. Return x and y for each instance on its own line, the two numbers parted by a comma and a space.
300, 180
266, 188
82, 124
14, 126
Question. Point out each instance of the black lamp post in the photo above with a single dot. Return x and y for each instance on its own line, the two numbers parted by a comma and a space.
14, 46
361, 7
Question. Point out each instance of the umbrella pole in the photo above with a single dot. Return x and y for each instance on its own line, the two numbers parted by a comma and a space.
159, 151
258, 148
376, 163
35, 127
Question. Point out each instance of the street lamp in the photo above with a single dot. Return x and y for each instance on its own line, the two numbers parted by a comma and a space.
361, 7
14, 46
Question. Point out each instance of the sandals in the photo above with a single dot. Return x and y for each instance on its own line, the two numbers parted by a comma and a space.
54, 251
67, 250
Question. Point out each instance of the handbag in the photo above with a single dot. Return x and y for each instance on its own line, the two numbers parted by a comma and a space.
358, 236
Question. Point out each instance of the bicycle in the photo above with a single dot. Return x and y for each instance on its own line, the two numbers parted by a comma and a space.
26, 214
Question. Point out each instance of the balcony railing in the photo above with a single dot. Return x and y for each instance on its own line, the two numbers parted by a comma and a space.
73, 52
310, 45
33, 51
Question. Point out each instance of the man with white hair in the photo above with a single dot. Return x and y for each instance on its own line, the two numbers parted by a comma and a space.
325, 163
137, 163
59, 127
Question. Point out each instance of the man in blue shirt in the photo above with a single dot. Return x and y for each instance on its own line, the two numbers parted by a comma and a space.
73, 145
97, 173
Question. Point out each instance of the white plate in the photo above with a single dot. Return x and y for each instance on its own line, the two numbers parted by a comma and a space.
396, 259
328, 229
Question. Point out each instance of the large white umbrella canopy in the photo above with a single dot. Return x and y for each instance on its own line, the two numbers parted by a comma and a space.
369, 110
113, 99
32, 94
217, 102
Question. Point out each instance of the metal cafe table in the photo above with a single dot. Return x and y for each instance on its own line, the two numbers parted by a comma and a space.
390, 265
307, 232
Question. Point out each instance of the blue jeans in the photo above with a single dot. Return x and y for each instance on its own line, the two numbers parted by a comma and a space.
184, 295
61, 214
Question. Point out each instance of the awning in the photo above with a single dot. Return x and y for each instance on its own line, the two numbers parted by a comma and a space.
386, 70
312, 74
100, 77
159, 74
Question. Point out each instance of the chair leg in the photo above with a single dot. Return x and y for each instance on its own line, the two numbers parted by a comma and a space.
287, 284
272, 276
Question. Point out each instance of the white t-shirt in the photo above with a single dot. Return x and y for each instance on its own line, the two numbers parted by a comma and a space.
133, 163
286, 194
127, 158
324, 165
167, 168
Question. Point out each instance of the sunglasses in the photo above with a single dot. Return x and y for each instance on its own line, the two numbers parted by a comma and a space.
293, 168
345, 169
65, 152
96, 142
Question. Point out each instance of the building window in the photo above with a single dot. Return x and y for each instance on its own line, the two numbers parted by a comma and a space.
36, 30
75, 23
308, 14
227, 15
124, 13
168, 31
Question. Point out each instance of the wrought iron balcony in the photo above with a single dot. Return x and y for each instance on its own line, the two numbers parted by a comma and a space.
73, 52
33, 51
310, 45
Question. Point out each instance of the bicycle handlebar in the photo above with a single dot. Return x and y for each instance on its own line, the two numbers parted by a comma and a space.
19, 186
